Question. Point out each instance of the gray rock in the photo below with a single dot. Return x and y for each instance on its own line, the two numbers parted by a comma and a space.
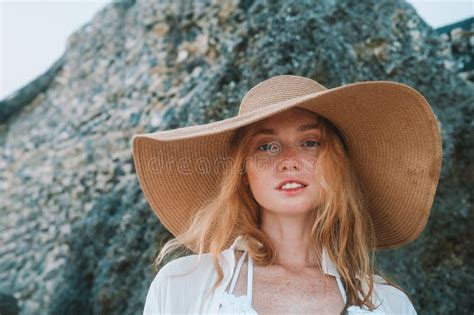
8, 305
79, 237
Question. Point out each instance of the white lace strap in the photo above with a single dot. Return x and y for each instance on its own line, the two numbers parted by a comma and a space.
250, 279
236, 272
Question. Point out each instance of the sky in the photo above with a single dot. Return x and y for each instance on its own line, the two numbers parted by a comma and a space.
33, 33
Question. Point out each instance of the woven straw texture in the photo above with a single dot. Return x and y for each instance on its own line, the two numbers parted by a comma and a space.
392, 135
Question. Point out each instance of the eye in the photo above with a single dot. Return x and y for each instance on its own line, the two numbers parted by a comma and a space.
312, 143
271, 147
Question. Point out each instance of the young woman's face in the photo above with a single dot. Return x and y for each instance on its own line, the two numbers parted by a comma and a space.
286, 148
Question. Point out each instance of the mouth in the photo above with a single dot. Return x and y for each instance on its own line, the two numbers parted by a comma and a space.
292, 191
291, 185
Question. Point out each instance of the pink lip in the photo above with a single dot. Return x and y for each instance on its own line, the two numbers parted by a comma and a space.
292, 191
278, 187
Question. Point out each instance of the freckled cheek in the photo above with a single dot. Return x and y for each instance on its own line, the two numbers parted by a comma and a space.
309, 164
260, 180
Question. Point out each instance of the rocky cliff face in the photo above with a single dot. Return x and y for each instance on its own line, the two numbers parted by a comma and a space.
76, 234
459, 39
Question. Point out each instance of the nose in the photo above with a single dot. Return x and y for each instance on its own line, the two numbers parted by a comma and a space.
289, 162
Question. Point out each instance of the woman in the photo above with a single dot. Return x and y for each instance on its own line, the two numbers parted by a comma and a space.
303, 185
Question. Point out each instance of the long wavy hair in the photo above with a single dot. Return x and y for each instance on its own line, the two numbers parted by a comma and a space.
340, 223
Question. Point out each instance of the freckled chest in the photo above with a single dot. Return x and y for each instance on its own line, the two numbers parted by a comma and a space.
276, 290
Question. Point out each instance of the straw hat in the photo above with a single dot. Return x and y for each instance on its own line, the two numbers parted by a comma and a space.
391, 131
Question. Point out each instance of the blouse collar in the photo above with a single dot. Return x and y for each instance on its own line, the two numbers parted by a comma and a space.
328, 265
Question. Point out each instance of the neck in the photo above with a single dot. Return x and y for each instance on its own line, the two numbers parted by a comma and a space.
291, 237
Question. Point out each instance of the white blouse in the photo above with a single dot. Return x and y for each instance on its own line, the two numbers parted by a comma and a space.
180, 287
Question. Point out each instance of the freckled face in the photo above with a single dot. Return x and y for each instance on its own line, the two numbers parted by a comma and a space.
289, 151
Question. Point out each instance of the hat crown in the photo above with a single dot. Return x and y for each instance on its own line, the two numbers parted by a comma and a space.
278, 89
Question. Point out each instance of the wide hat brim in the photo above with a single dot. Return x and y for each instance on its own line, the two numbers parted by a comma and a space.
393, 140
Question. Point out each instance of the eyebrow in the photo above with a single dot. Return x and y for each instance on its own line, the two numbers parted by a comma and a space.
269, 131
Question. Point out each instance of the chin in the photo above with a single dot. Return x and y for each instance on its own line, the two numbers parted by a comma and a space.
288, 209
